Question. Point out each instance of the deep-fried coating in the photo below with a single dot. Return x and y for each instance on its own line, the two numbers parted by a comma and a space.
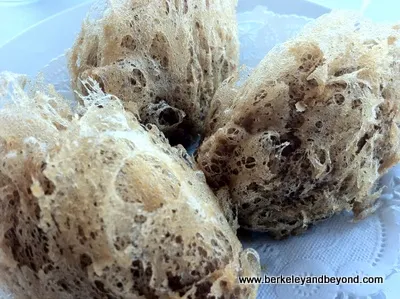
98, 206
311, 130
165, 58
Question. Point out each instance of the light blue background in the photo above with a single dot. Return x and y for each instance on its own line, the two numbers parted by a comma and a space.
16, 19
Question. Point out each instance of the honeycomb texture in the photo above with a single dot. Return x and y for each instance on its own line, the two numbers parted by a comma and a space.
311, 130
102, 207
165, 58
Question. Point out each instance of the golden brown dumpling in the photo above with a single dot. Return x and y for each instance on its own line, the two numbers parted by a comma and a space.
165, 58
311, 130
105, 208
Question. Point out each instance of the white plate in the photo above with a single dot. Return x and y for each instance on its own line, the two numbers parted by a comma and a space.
31, 50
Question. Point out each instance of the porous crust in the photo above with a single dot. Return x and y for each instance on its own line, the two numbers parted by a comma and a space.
165, 58
102, 207
311, 130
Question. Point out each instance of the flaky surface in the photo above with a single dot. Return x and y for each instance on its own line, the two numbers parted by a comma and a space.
102, 207
311, 130
164, 58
